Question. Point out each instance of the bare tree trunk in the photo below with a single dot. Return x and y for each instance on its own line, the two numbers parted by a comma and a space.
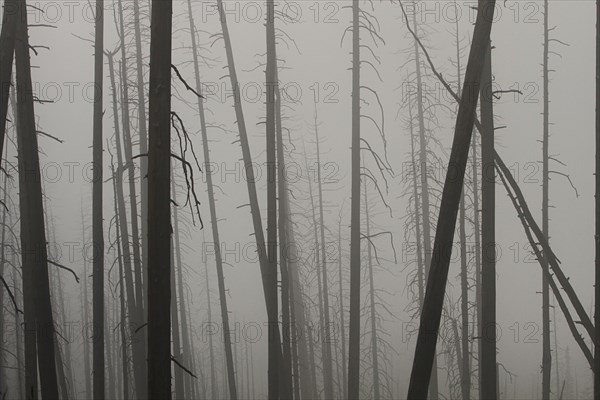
438, 274
420, 264
67, 361
87, 368
97, 221
354, 327
488, 224
186, 347
465, 366
327, 365
284, 226
7, 48
477, 232
213, 218
342, 320
465, 359
123, 322
159, 203
143, 138
425, 209
18, 338
273, 314
317, 261
3, 380
33, 236
596, 369
135, 239
546, 349
300, 326
111, 382
175, 328
213, 381
137, 341
373, 315
250, 179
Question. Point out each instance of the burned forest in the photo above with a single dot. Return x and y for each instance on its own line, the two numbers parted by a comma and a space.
299, 200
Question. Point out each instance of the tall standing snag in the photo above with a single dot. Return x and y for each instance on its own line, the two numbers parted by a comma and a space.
597, 228
354, 328
7, 49
488, 238
36, 285
438, 274
159, 203
97, 224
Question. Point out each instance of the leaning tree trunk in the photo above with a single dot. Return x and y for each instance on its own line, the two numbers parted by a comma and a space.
354, 327
248, 168
33, 236
546, 349
97, 222
159, 203
7, 48
488, 240
213, 217
438, 274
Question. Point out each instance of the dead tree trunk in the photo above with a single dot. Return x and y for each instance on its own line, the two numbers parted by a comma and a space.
143, 138
129, 166
213, 380
159, 203
342, 320
213, 216
373, 314
273, 314
354, 327
7, 48
138, 317
250, 178
465, 367
138, 344
425, 209
33, 236
597, 224
186, 347
488, 241
438, 274
546, 349
175, 327
97, 221
284, 229
123, 319
327, 365
86, 320
3, 380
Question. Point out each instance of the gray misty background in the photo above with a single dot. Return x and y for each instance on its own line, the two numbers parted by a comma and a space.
318, 69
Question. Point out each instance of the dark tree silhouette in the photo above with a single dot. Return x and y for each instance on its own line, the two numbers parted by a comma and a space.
159, 203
